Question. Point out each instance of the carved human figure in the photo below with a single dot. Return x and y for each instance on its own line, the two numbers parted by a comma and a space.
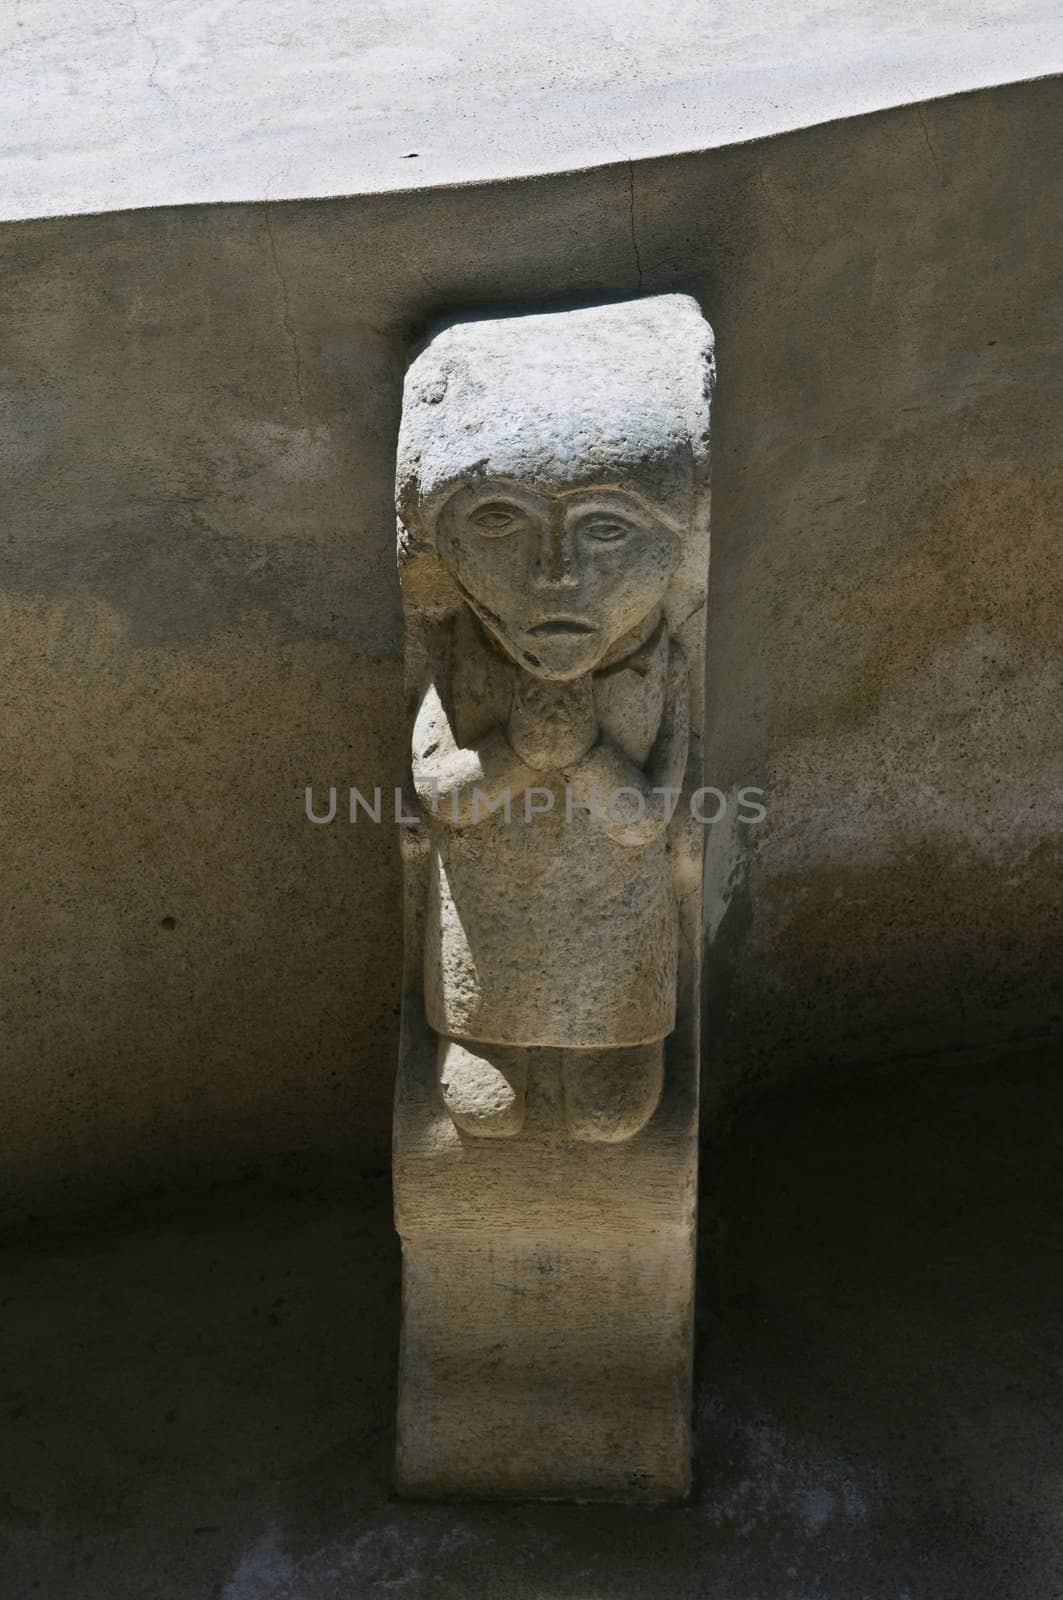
553, 481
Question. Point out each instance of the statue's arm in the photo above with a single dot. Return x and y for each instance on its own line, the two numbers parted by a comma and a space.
640, 815
447, 775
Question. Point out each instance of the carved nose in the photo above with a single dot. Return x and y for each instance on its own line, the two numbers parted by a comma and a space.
557, 556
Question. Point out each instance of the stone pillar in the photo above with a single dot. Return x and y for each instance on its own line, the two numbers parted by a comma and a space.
553, 547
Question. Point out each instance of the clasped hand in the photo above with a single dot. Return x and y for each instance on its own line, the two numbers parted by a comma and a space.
552, 725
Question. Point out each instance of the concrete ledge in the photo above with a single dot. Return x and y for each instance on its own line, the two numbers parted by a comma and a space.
108, 105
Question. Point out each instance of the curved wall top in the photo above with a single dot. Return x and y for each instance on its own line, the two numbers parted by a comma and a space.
116, 104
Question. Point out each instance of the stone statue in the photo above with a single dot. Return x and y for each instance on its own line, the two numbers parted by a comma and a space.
552, 493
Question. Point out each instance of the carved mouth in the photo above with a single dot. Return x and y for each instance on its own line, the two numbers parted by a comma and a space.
562, 628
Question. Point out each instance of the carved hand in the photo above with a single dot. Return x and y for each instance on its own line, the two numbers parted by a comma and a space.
552, 725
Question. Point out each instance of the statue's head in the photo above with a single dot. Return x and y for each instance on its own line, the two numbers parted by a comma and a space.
557, 578
553, 462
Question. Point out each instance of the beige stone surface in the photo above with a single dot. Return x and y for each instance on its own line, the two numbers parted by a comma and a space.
160, 874
547, 1295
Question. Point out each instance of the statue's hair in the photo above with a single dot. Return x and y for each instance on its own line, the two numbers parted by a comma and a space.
614, 395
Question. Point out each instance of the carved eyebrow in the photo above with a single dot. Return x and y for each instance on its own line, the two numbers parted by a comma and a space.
629, 505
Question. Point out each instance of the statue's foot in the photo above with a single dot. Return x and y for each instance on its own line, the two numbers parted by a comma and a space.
610, 1095
484, 1087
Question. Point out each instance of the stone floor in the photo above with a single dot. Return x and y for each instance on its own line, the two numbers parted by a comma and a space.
196, 1393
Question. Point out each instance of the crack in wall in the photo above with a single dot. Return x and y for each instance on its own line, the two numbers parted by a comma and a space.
631, 205
930, 145
286, 315
631, 209
153, 47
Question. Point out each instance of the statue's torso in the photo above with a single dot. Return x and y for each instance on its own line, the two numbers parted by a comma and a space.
548, 932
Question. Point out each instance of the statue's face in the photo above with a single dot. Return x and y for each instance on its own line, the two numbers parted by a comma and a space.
557, 579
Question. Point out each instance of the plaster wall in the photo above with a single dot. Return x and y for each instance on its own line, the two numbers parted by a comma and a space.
200, 615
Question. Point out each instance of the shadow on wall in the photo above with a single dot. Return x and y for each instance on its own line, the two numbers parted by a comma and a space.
201, 616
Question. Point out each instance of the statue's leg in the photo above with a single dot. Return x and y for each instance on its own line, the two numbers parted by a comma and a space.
610, 1095
484, 1086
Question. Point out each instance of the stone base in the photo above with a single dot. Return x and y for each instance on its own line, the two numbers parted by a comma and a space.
547, 1297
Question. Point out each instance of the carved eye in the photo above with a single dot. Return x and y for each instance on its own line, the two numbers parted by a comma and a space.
496, 520
605, 530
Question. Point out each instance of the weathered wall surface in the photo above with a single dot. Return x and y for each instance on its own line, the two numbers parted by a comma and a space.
200, 616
